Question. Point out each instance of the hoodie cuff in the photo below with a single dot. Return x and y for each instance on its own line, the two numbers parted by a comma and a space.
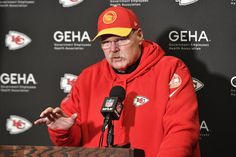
61, 137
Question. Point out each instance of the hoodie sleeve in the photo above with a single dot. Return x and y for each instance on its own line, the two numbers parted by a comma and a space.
69, 105
181, 121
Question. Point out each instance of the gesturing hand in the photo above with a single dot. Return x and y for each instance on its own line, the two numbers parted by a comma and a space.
55, 118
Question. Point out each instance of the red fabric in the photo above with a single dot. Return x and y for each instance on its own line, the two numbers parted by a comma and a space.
166, 125
117, 17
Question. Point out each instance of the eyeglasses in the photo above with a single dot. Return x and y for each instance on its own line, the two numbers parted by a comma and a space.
122, 41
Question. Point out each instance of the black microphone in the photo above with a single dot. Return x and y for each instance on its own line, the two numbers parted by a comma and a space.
111, 110
112, 105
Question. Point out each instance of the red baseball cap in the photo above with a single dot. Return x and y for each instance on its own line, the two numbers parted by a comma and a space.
118, 21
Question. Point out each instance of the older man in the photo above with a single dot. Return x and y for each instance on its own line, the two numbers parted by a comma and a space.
160, 113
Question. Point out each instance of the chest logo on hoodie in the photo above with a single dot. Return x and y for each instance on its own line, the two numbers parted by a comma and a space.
140, 100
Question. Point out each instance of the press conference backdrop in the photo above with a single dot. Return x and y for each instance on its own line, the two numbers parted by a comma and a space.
45, 44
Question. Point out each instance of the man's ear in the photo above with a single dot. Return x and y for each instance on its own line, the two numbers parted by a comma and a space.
140, 36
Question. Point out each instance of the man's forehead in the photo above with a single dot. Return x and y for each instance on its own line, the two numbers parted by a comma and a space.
109, 36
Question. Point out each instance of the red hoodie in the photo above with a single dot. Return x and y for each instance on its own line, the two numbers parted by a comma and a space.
160, 112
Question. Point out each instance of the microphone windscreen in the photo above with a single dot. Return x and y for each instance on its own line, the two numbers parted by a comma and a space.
118, 91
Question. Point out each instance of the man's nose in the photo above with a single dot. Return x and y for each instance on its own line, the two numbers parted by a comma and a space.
114, 46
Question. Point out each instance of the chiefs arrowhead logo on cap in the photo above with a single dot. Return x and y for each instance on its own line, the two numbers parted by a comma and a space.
109, 17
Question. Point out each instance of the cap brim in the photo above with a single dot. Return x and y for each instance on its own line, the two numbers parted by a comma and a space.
115, 31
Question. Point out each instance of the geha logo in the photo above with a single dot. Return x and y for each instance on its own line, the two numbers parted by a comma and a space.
16, 78
197, 84
16, 124
70, 3
71, 36
188, 36
67, 82
15, 40
185, 2
71, 40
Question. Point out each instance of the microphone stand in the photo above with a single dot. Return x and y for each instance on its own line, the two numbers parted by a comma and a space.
110, 131
110, 134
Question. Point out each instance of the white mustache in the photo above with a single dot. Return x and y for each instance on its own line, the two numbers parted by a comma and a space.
111, 55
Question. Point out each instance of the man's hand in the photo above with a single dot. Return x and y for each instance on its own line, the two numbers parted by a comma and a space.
55, 118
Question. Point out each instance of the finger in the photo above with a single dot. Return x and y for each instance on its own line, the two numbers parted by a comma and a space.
41, 121
59, 112
37, 121
74, 116
54, 115
51, 117
46, 112
51, 113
